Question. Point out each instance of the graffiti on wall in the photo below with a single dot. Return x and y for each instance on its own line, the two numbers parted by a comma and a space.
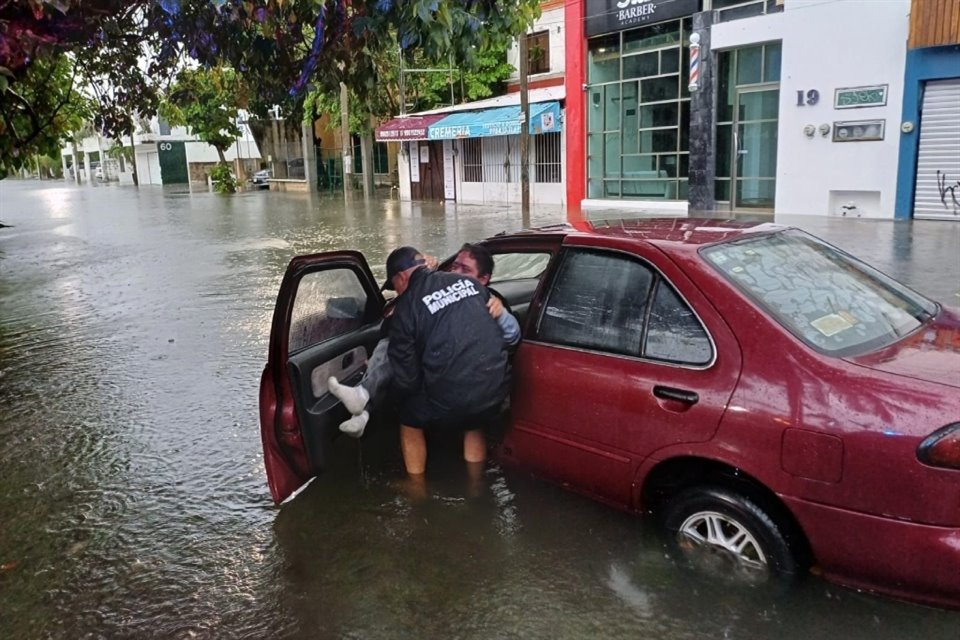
951, 189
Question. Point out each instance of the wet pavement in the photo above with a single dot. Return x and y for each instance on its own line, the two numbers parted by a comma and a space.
133, 502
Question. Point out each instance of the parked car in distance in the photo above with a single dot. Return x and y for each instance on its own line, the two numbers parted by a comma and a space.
770, 401
261, 179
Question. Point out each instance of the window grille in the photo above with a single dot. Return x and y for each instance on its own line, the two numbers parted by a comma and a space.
547, 167
471, 151
501, 159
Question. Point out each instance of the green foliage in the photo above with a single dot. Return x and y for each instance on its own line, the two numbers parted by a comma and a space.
222, 178
49, 48
487, 76
50, 166
123, 51
207, 101
38, 112
118, 150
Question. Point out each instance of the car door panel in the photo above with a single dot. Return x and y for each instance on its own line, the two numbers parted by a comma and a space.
319, 412
326, 320
588, 418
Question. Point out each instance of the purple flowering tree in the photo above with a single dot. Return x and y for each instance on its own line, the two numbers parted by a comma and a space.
122, 53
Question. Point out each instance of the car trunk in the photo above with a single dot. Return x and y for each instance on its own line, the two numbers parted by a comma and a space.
930, 354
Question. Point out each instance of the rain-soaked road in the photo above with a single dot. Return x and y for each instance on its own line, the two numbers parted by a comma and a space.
133, 504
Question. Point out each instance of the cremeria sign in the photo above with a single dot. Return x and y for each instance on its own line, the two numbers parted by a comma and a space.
605, 16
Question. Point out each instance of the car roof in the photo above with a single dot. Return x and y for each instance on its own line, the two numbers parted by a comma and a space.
677, 232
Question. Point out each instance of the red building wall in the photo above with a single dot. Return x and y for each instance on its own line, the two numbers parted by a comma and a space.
575, 122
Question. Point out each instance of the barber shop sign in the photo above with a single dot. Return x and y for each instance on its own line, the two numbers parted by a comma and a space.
605, 16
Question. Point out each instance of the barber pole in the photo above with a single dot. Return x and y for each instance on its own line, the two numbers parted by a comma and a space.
694, 62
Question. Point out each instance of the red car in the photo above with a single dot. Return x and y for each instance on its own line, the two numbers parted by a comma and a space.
775, 403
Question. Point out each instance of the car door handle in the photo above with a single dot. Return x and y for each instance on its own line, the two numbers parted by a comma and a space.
347, 360
679, 395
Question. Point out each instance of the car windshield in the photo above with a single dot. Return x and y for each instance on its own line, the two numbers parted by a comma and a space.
830, 300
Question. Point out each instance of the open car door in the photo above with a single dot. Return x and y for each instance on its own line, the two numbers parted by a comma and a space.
326, 323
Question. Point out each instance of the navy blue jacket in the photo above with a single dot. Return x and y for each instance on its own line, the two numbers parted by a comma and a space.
448, 356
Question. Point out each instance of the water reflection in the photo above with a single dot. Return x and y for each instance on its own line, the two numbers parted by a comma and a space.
133, 328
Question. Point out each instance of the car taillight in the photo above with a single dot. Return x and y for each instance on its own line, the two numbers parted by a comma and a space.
941, 448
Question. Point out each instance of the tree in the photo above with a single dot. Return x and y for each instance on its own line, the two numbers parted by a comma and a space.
123, 51
64, 59
423, 91
38, 113
207, 101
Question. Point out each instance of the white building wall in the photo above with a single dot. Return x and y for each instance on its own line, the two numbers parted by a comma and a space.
551, 21
552, 193
829, 45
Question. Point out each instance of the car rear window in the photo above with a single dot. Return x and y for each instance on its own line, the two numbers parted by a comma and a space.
828, 299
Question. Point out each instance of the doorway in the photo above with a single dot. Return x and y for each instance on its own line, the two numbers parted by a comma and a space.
747, 120
428, 184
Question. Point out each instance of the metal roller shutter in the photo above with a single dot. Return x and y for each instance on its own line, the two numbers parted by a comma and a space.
937, 192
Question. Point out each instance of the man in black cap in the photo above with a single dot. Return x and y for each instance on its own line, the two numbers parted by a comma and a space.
447, 354
472, 260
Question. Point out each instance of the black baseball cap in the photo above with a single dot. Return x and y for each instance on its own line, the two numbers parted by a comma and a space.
401, 259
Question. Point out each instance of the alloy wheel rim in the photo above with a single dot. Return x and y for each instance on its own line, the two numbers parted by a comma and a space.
722, 540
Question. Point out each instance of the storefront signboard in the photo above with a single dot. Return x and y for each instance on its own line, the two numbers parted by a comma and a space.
502, 121
854, 97
607, 16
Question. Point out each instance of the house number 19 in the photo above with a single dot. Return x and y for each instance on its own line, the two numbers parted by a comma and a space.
811, 98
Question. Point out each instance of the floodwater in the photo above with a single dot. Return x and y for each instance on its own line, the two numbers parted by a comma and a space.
133, 502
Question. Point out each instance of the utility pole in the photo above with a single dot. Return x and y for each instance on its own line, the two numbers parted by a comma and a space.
133, 147
275, 158
524, 134
366, 158
345, 141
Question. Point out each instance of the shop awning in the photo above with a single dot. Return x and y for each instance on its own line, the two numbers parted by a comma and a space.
407, 128
501, 121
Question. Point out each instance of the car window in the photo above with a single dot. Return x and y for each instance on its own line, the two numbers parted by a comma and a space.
828, 299
674, 333
519, 266
327, 304
597, 301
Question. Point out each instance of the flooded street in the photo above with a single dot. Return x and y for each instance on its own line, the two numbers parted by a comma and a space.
133, 501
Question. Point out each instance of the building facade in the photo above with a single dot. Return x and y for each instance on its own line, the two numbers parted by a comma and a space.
470, 152
776, 106
928, 177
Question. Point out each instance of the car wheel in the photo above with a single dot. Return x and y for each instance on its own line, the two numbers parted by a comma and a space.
728, 535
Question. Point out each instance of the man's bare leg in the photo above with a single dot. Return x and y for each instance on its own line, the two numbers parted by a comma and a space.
413, 446
474, 446
475, 479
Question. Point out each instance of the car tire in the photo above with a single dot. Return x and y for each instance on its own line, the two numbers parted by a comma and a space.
729, 535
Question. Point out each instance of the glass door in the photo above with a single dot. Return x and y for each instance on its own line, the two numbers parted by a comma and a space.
746, 130
754, 157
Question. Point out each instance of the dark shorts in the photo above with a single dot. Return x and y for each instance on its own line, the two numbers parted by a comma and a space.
411, 417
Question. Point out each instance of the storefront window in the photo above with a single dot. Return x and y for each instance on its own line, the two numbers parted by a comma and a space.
639, 113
